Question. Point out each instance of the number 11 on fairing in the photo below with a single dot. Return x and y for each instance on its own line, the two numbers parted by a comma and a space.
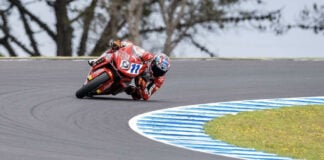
135, 68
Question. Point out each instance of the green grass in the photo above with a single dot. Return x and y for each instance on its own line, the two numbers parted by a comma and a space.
296, 132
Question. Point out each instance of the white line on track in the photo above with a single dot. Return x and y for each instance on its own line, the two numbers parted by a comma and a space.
183, 126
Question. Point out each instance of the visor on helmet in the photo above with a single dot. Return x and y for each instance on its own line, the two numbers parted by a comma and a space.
157, 72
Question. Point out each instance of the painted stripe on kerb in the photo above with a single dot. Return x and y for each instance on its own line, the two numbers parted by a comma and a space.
183, 126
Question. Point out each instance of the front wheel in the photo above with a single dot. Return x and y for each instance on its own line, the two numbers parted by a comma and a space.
92, 85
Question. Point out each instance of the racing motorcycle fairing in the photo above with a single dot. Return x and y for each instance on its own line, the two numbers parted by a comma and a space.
120, 67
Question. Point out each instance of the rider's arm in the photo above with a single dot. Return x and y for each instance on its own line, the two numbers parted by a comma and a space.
147, 56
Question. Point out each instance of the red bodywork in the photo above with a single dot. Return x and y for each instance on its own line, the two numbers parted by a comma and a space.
121, 67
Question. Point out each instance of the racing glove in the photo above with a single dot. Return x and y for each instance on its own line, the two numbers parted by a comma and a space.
115, 45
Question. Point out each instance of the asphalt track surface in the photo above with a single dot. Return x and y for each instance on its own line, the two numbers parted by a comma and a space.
40, 118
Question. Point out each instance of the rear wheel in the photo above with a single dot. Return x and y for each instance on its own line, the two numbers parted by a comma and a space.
92, 85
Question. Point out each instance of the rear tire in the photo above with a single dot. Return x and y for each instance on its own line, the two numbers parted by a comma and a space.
92, 85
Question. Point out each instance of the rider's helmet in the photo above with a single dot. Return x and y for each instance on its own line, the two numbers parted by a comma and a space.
160, 64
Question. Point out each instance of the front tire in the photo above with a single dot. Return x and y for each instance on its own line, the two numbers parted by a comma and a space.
92, 85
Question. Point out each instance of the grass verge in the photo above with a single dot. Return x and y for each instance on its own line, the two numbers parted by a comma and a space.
296, 132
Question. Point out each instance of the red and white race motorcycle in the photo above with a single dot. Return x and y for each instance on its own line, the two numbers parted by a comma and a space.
112, 73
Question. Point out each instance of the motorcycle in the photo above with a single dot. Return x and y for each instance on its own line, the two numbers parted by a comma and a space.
112, 73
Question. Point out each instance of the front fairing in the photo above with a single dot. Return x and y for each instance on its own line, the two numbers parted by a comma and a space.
102, 61
128, 63
121, 66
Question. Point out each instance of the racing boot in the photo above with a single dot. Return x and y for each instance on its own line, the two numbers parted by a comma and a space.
134, 92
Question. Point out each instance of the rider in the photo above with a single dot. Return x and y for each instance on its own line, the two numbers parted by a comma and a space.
151, 79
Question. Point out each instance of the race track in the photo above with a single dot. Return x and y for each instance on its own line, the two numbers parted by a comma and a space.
40, 118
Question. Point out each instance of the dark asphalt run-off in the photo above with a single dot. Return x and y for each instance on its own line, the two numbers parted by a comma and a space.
41, 119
